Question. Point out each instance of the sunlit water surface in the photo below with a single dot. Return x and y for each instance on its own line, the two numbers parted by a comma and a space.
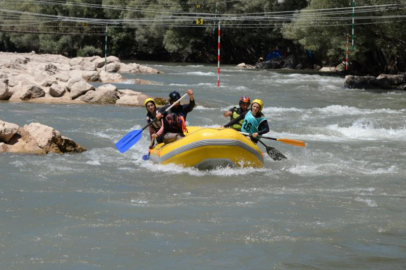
339, 203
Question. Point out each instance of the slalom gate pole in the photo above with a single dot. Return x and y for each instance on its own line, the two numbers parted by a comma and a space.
353, 25
218, 54
105, 49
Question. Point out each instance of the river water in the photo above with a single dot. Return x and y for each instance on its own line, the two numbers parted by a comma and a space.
339, 203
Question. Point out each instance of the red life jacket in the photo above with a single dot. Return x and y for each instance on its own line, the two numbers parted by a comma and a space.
175, 123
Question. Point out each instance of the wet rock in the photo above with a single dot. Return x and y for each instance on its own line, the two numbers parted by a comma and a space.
363, 82
275, 63
387, 81
243, 65
290, 62
384, 81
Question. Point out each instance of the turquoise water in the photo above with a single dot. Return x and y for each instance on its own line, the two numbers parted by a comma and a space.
336, 204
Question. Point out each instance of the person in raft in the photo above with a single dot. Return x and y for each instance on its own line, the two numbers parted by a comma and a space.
255, 123
175, 120
156, 127
235, 112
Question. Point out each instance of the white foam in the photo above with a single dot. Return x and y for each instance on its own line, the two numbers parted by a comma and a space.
200, 73
369, 202
201, 108
346, 110
332, 110
364, 129
176, 169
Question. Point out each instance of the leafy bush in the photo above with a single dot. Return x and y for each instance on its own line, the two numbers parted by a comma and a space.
89, 51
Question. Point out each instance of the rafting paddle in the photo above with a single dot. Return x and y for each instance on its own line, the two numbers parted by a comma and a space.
287, 141
146, 157
134, 136
273, 153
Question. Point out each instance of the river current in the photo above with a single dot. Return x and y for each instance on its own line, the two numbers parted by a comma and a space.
339, 203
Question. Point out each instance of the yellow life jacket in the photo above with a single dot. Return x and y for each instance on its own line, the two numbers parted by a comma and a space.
234, 116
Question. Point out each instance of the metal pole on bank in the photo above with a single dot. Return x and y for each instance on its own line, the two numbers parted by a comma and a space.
346, 52
353, 25
105, 49
218, 54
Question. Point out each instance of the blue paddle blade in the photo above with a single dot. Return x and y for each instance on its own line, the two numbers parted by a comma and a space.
129, 140
145, 157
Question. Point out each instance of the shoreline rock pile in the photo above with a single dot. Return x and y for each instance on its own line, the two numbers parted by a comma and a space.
57, 79
35, 138
383, 81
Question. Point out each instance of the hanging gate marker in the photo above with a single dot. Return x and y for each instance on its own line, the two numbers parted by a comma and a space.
218, 58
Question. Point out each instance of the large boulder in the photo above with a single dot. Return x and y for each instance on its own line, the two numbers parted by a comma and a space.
76, 61
62, 76
131, 98
290, 62
106, 94
36, 138
361, 82
57, 90
5, 94
113, 67
7, 131
384, 81
80, 88
89, 65
89, 76
136, 68
145, 82
387, 81
31, 91
107, 77
100, 62
275, 63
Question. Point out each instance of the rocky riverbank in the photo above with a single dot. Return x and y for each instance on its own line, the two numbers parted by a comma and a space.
383, 81
47, 78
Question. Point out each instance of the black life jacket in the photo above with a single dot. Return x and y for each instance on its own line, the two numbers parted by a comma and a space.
175, 123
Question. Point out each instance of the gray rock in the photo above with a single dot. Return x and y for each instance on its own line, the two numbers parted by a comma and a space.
360, 82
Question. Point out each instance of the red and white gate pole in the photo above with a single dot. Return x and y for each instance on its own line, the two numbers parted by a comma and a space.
218, 58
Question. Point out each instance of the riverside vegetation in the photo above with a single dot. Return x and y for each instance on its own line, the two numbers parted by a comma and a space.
318, 26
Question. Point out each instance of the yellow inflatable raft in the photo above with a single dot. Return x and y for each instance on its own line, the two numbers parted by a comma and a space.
207, 148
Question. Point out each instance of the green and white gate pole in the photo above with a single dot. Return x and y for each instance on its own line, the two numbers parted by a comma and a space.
105, 49
353, 25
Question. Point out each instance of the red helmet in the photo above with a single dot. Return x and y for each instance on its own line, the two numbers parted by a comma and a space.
245, 99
